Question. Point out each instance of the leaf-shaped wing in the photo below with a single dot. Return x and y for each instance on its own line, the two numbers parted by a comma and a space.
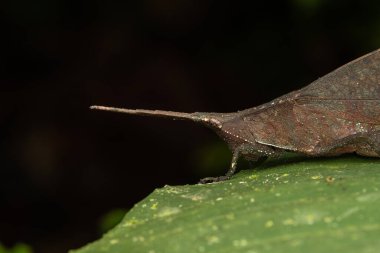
342, 103
307, 127
358, 79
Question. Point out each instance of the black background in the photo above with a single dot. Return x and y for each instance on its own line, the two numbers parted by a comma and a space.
64, 166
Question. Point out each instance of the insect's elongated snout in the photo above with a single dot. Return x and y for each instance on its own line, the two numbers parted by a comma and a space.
142, 112
208, 119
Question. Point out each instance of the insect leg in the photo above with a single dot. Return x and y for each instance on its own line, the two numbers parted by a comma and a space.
248, 151
235, 157
230, 172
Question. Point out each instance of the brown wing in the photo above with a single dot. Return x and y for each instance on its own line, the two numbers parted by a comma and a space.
358, 79
304, 127
344, 102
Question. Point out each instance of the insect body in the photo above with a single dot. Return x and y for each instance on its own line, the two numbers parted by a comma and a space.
336, 114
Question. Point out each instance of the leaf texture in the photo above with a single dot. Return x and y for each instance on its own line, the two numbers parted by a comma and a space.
313, 205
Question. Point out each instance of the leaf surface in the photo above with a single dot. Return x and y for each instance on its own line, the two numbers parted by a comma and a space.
298, 205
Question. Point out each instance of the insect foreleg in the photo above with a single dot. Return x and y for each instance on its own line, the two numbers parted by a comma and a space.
230, 172
248, 151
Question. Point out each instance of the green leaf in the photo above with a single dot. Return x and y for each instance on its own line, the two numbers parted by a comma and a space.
298, 205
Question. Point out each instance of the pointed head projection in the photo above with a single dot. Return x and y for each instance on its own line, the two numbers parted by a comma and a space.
212, 120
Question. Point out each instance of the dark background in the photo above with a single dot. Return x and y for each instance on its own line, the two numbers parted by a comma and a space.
63, 167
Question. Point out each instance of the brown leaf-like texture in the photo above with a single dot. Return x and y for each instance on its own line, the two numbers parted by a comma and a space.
344, 103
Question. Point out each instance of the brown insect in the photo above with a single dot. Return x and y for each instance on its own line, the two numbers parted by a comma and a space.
336, 114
